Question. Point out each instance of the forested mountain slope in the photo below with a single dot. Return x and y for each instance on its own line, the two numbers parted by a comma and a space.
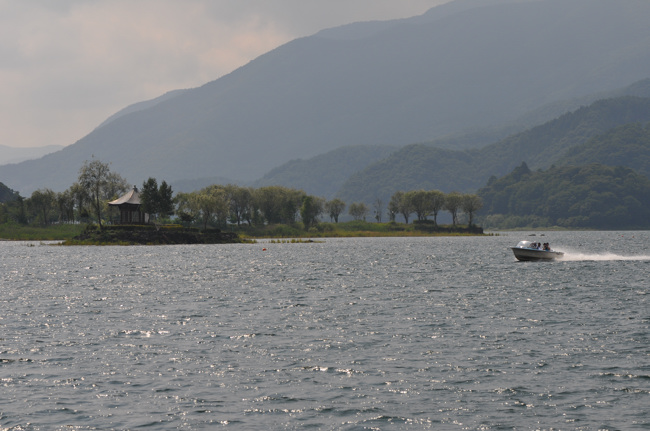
422, 166
590, 196
466, 65
6, 194
627, 145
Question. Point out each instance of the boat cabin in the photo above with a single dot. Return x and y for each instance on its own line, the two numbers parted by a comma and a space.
130, 208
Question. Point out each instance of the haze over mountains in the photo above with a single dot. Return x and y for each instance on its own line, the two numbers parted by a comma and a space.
17, 155
466, 65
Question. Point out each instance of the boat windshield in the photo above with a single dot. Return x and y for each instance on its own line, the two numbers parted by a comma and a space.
524, 244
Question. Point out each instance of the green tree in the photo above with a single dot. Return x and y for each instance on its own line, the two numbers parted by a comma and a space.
419, 201
241, 200
470, 204
278, 204
311, 209
393, 205
186, 210
65, 206
149, 197
378, 206
157, 201
166, 200
335, 208
42, 203
81, 200
358, 211
453, 203
100, 184
437, 202
401, 204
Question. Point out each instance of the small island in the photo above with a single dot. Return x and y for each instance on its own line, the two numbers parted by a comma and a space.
101, 209
151, 235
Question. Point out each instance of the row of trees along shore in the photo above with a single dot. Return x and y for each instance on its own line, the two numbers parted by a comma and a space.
221, 205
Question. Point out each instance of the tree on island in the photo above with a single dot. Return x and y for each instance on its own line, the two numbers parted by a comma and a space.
157, 201
453, 202
471, 204
400, 204
311, 209
334, 208
358, 211
42, 202
100, 184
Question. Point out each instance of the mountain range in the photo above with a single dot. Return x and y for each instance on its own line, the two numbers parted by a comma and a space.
462, 67
591, 134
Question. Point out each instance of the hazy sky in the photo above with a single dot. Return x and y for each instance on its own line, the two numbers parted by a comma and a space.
66, 65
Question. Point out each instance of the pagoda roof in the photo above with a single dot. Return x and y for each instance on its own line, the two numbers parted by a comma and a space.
132, 197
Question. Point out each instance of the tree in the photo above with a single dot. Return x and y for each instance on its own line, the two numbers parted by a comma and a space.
185, 207
334, 208
378, 206
311, 209
65, 206
419, 202
358, 211
166, 200
81, 199
42, 202
400, 204
241, 199
470, 205
149, 198
453, 202
393, 206
100, 184
157, 201
437, 202
214, 203
278, 204
203, 205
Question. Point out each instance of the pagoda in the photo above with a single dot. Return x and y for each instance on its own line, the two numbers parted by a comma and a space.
130, 208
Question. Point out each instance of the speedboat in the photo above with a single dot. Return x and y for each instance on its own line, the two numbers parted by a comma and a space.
526, 250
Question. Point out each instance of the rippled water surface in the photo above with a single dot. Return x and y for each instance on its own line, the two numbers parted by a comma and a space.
390, 333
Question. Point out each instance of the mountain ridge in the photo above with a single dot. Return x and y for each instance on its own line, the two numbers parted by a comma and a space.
415, 80
421, 166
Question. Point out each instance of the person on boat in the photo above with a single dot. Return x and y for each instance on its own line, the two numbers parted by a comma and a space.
547, 246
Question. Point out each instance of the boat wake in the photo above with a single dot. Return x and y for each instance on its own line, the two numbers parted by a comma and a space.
571, 256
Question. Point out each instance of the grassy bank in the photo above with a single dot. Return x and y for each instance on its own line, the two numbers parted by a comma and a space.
67, 232
355, 229
59, 232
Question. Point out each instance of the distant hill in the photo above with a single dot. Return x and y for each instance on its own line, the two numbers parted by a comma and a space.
18, 154
323, 175
199, 183
590, 196
461, 66
6, 194
141, 106
421, 166
484, 136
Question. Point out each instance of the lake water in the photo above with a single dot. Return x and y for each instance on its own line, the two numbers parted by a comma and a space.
351, 334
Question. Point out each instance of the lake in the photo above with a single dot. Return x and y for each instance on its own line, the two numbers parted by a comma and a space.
352, 334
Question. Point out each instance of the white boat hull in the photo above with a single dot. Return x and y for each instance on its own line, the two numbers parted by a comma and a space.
528, 254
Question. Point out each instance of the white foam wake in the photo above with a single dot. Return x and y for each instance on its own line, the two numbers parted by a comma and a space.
572, 256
